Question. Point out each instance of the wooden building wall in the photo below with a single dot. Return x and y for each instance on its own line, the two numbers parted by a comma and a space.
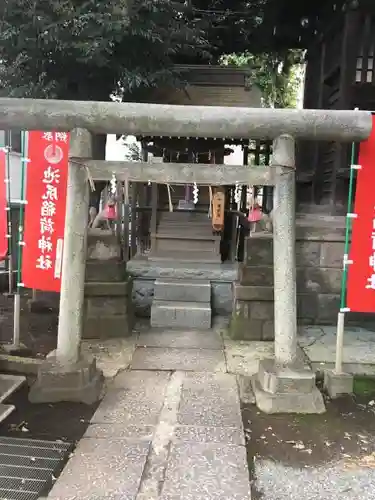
340, 75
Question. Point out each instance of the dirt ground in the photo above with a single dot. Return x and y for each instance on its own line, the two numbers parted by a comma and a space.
38, 330
345, 432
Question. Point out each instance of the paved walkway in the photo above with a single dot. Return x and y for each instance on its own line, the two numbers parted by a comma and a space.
167, 429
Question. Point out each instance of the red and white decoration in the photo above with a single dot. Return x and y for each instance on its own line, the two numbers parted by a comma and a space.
3, 207
46, 186
361, 272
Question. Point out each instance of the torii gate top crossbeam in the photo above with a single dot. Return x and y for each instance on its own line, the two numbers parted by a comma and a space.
184, 121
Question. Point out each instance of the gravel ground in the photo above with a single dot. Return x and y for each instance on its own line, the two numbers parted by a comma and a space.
311, 457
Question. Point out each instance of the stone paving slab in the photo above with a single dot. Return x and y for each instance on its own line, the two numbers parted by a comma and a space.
319, 344
210, 401
112, 355
206, 471
120, 407
224, 435
154, 358
120, 431
103, 468
243, 357
135, 398
141, 381
184, 339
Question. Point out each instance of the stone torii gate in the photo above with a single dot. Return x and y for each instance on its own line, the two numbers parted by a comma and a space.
282, 384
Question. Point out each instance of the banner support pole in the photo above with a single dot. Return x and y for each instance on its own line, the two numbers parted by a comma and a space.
344, 277
9, 219
16, 345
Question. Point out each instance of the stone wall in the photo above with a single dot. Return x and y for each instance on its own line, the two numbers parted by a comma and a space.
108, 310
319, 257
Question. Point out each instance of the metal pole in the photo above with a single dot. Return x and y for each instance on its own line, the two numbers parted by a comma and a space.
8, 147
17, 295
74, 255
344, 276
285, 301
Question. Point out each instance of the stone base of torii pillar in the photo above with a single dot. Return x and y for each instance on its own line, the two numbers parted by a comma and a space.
285, 385
66, 375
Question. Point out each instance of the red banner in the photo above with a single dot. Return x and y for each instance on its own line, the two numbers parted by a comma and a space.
46, 183
3, 208
361, 272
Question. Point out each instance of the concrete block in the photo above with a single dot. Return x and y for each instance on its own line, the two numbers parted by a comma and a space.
261, 310
307, 253
181, 315
108, 310
319, 280
182, 290
291, 389
294, 402
278, 379
249, 292
256, 276
79, 382
105, 271
243, 328
107, 327
104, 289
268, 330
102, 245
308, 307
328, 305
259, 251
338, 384
331, 254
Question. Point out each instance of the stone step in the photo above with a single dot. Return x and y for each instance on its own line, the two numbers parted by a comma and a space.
181, 315
5, 411
178, 244
184, 256
186, 234
185, 217
182, 290
9, 384
191, 227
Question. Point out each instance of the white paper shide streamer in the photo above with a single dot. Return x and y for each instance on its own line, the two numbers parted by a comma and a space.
195, 193
113, 185
237, 195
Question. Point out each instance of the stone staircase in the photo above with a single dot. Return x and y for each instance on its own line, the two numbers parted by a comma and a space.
185, 236
8, 385
181, 304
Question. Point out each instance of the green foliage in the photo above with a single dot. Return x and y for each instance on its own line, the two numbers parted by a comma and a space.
133, 150
88, 49
279, 76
